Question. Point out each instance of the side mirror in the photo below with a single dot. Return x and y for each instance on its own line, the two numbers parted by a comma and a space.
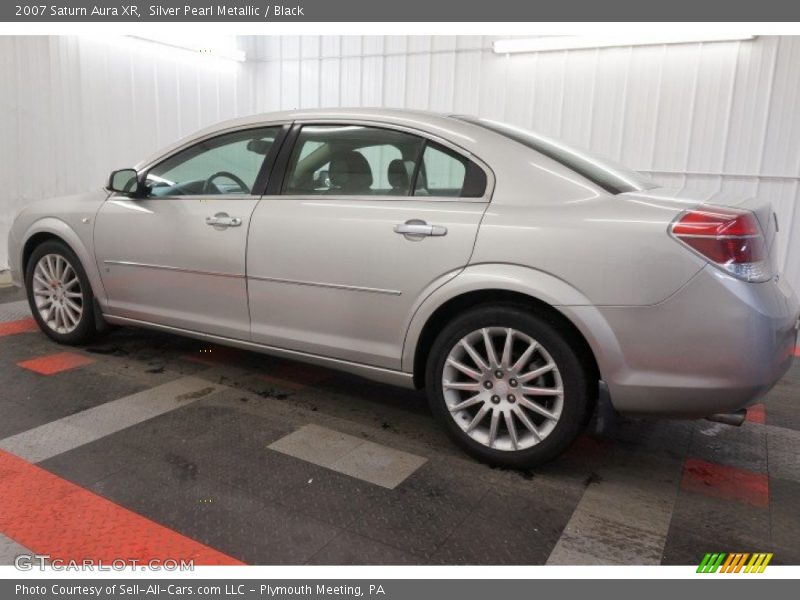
124, 181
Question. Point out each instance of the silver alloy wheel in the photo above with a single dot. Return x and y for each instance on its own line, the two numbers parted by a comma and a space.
502, 388
57, 293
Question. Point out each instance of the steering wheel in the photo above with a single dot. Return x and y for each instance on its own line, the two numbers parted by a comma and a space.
207, 186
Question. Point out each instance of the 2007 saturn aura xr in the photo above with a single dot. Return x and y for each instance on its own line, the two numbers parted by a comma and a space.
515, 278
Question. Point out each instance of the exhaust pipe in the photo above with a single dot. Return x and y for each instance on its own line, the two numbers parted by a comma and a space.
735, 418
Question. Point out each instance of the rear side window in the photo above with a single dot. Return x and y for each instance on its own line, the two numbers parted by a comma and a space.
355, 160
447, 173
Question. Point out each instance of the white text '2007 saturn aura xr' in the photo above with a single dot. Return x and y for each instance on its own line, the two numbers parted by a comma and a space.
520, 281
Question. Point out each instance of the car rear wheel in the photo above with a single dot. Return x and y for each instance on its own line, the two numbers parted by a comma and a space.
59, 294
508, 386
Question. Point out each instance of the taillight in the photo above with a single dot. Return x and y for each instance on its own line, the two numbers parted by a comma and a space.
729, 238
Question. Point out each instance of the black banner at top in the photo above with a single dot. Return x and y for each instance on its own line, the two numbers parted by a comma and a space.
99, 11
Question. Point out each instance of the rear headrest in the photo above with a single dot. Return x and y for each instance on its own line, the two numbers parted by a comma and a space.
350, 172
398, 174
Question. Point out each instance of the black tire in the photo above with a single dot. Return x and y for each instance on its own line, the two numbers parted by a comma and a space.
84, 330
579, 389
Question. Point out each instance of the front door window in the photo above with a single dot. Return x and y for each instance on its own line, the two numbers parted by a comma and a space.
225, 165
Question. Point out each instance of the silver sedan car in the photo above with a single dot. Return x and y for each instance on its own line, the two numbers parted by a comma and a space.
522, 282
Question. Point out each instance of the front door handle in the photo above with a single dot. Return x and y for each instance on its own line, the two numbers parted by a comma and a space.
416, 227
223, 220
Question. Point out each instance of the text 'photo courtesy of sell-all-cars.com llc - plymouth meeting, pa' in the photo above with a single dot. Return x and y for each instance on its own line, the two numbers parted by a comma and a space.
524, 284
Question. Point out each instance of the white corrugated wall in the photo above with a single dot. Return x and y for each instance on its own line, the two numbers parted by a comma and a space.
72, 109
709, 116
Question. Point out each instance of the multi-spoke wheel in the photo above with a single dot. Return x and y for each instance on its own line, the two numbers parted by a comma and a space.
59, 293
503, 388
509, 386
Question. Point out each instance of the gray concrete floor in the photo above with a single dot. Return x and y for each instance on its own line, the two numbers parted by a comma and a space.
203, 440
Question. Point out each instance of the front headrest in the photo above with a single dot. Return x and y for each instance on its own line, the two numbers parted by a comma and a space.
350, 172
398, 174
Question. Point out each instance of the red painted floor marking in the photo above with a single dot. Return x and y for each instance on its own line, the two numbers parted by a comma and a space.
21, 326
55, 363
725, 482
50, 515
757, 414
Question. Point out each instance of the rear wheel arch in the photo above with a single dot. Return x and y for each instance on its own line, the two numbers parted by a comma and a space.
471, 300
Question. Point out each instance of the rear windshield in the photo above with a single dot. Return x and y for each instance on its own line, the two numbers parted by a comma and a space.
610, 176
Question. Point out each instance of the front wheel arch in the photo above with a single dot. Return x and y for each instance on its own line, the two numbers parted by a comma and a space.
37, 239
52, 228
83, 325
41, 237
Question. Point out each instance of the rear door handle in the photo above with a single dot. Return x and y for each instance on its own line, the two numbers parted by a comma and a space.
223, 220
417, 227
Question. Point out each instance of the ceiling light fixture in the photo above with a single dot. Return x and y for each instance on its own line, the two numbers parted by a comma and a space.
198, 46
553, 43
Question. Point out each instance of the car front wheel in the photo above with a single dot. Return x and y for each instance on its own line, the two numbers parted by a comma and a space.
59, 294
509, 387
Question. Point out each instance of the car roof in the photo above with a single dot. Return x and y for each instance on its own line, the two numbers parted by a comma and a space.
433, 122
370, 114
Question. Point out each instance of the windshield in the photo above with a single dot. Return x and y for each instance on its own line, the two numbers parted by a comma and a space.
610, 176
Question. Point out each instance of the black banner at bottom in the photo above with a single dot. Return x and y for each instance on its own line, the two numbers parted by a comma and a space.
732, 587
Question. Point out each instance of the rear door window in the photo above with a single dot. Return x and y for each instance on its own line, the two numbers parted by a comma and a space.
355, 160
352, 160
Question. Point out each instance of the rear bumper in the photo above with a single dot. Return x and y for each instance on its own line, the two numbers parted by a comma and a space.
715, 346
